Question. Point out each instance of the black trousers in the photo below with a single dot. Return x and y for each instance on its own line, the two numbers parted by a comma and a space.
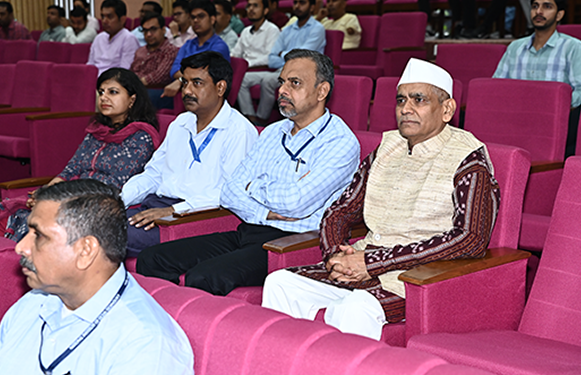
217, 263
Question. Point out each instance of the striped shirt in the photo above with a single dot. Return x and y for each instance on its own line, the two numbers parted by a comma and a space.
269, 180
558, 60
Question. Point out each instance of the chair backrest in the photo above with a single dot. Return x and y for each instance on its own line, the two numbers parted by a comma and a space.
164, 121
382, 113
528, 114
573, 30
32, 84
468, 61
367, 51
511, 170
553, 309
368, 142
129, 23
35, 34
168, 20
73, 88
334, 46
6, 82
350, 100
178, 104
79, 53
16, 50
239, 67
56, 52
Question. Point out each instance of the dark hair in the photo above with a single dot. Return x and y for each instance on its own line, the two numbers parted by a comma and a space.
205, 5
312, 2
151, 15
79, 12
323, 63
226, 5
184, 4
8, 6
118, 5
85, 3
218, 67
90, 208
265, 4
561, 4
142, 109
59, 9
156, 7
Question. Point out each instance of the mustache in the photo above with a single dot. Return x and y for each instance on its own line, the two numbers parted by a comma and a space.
189, 98
282, 97
26, 263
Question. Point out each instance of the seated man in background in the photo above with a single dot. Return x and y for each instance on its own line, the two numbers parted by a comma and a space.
306, 33
86, 314
427, 193
115, 47
295, 170
153, 61
202, 148
276, 16
55, 32
181, 26
334, 17
91, 21
256, 40
222, 26
151, 7
203, 14
9, 28
79, 31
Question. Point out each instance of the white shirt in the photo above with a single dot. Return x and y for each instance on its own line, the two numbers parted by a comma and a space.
85, 36
93, 22
171, 173
254, 47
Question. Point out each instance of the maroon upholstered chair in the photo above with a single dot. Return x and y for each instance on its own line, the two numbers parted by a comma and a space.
350, 100
17, 50
334, 45
468, 61
573, 30
6, 84
401, 36
56, 52
367, 51
239, 67
548, 337
382, 113
445, 296
35, 34
130, 23
532, 115
80, 53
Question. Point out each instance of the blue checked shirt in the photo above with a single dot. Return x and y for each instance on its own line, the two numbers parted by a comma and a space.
558, 60
310, 36
276, 184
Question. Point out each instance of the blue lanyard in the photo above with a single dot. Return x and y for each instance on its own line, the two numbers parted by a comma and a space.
195, 151
83, 336
295, 156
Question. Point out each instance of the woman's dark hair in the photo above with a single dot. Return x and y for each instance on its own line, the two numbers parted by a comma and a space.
142, 109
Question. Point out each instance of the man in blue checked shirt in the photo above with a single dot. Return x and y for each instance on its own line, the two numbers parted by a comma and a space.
295, 170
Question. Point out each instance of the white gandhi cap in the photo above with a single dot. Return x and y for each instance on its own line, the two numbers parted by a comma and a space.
420, 71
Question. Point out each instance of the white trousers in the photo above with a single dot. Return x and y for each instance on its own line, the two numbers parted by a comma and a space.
268, 82
356, 311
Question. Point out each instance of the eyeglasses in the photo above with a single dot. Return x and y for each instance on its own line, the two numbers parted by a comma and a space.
150, 30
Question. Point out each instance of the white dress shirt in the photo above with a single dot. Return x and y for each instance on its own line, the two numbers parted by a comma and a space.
254, 46
85, 36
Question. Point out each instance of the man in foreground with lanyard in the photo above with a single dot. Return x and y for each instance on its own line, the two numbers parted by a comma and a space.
295, 170
86, 314
202, 148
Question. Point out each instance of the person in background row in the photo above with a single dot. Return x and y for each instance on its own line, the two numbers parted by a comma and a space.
148, 6
222, 27
181, 26
79, 31
9, 28
334, 17
91, 21
55, 32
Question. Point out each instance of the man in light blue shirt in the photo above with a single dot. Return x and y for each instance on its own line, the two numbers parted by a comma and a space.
202, 148
306, 33
56, 31
296, 169
86, 314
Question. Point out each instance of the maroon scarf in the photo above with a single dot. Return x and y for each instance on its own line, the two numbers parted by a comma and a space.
103, 132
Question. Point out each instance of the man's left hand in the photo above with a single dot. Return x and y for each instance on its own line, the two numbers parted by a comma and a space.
348, 265
146, 218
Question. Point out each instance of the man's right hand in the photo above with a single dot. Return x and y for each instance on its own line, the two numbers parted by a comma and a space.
172, 89
274, 216
174, 28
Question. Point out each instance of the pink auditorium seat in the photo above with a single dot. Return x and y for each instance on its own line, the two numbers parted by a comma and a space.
16, 50
468, 61
80, 53
129, 23
548, 337
2, 46
232, 337
6, 84
334, 46
573, 30
239, 67
532, 115
367, 51
350, 100
56, 52
445, 303
168, 20
382, 113
401, 36
35, 34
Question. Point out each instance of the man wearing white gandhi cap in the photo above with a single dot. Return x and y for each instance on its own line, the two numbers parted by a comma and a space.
426, 193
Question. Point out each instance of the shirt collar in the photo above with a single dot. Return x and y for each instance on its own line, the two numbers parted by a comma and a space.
552, 42
189, 120
118, 35
226, 30
314, 127
210, 40
295, 25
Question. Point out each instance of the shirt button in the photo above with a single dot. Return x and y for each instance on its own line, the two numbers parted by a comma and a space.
377, 237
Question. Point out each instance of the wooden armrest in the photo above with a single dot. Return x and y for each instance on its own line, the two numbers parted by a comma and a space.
57, 115
447, 269
544, 166
23, 110
4, 105
25, 182
361, 49
398, 49
305, 240
193, 217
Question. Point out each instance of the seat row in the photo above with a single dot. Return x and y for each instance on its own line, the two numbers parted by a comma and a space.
12, 51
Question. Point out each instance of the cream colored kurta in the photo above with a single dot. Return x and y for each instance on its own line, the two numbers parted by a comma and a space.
342, 24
